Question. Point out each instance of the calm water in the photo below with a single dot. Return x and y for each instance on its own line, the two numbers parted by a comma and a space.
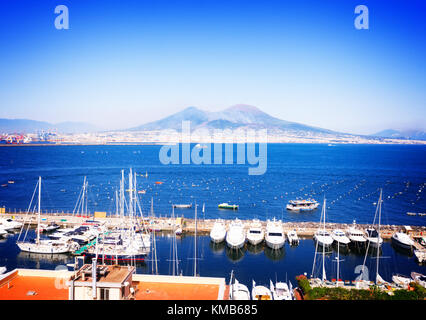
259, 263
347, 175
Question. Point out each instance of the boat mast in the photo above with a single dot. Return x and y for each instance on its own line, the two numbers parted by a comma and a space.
323, 247
153, 238
122, 195
39, 210
195, 243
378, 236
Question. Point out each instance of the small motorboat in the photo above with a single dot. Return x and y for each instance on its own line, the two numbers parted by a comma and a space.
292, 237
255, 233
218, 232
280, 291
402, 240
260, 292
182, 206
3, 270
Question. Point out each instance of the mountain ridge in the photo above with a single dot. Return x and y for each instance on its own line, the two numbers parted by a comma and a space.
236, 116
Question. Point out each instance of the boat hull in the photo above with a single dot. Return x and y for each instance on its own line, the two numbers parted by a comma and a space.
33, 248
254, 241
402, 245
275, 245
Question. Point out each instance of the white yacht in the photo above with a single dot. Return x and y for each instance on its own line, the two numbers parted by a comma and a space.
323, 238
238, 291
402, 240
274, 236
373, 237
302, 205
280, 291
260, 292
255, 233
292, 237
9, 224
356, 235
235, 236
340, 237
218, 232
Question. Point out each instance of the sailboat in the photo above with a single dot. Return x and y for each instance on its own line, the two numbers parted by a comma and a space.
129, 245
41, 245
379, 279
322, 236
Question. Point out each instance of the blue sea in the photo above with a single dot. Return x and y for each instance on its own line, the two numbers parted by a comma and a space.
348, 176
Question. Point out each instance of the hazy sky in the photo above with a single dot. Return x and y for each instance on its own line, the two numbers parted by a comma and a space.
124, 63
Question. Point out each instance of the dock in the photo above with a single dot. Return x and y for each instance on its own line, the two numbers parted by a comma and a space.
167, 224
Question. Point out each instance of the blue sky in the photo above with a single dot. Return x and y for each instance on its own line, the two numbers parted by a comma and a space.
124, 63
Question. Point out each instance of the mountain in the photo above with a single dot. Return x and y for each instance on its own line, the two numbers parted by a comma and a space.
403, 134
32, 126
233, 117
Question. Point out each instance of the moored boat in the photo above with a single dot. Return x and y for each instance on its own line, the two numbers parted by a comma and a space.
280, 291
238, 291
292, 237
218, 232
340, 237
255, 233
260, 292
235, 237
274, 235
356, 235
402, 240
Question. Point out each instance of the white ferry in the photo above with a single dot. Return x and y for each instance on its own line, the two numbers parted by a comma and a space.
302, 205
